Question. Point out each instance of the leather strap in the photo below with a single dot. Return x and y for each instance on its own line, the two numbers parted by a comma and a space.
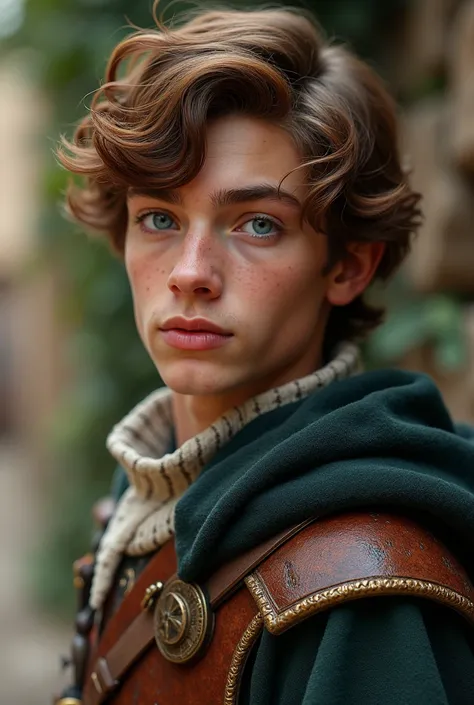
109, 669
130, 644
310, 567
153, 679
103, 678
224, 581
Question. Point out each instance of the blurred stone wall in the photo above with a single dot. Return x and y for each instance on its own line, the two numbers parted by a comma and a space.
30, 380
435, 49
31, 360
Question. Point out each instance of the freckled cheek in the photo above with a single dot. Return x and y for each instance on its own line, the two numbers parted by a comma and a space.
145, 276
148, 282
284, 299
282, 283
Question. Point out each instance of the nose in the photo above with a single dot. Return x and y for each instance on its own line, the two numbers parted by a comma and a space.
196, 272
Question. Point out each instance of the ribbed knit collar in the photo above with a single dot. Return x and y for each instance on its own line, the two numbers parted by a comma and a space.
140, 441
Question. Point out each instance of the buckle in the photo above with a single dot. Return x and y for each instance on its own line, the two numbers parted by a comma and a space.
151, 595
183, 621
102, 679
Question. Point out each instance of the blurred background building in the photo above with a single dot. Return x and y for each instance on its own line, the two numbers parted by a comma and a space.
63, 383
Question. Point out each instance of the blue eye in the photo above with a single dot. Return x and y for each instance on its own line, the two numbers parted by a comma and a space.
156, 220
261, 227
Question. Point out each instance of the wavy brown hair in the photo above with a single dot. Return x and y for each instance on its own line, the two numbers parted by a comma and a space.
147, 127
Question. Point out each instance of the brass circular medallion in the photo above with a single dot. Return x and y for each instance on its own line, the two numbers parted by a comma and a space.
182, 621
173, 619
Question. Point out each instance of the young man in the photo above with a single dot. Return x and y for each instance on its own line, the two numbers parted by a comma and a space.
248, 173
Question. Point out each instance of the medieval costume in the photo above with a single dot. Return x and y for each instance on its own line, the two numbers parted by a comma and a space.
325, 444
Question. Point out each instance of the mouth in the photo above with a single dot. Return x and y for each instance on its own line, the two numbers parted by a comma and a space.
194, 325
193, 334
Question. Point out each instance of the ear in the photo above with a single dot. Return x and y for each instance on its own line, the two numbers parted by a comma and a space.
352, 275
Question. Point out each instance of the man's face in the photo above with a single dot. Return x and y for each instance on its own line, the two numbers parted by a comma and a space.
225, 249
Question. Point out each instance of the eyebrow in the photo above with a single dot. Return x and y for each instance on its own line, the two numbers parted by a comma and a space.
224, 197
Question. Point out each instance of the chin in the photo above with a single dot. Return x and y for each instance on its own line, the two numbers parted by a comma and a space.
195, 378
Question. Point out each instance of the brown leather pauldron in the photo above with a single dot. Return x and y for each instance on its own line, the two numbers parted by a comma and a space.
309, 568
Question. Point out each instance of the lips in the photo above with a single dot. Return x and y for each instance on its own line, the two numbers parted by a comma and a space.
194, 334
193, 325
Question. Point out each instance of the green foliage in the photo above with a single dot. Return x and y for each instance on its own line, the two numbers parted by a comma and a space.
415, 320
70, 41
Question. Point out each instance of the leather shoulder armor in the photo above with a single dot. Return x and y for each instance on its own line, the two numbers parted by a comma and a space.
351, 556
156, 641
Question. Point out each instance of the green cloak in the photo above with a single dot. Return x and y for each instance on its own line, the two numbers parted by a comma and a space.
378, 440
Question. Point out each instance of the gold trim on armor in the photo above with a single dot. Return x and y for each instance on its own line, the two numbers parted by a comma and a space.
239, 657
278, 622
68, 701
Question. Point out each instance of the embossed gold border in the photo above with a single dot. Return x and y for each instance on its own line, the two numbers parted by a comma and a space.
278, 622
239, 657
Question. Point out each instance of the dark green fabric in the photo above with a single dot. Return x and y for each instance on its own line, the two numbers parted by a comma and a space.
377, 439
381, 439
386, 651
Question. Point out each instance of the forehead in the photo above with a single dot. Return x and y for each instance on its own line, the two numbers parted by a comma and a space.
242, 149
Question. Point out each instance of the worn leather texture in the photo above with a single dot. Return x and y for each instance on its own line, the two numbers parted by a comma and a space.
324, 555
355, 547
153, 679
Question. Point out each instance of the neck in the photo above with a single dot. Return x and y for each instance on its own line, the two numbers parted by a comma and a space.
193, 414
